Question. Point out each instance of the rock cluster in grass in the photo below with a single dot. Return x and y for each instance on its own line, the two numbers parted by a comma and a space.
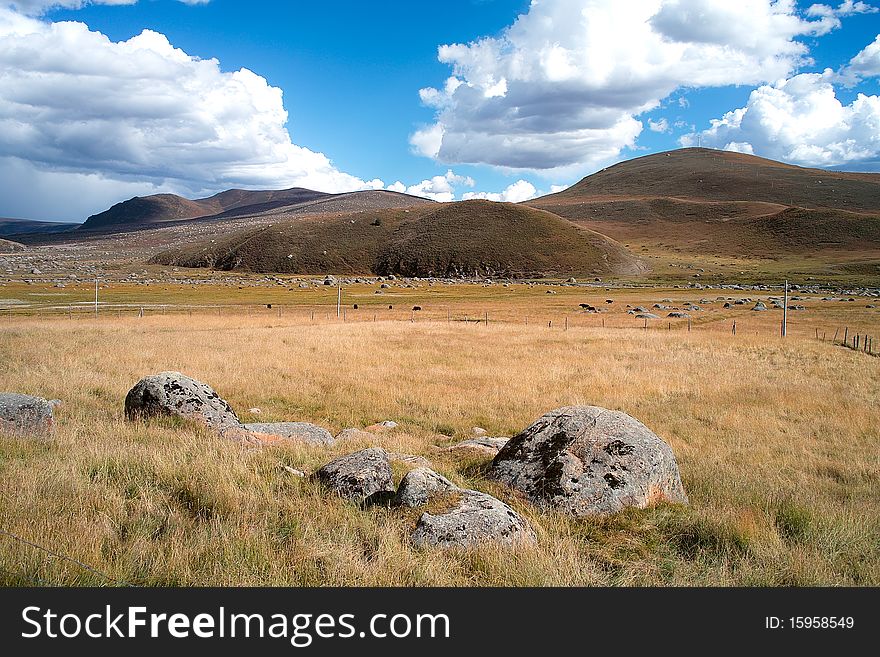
589, 461
468, 517
173, 394
582, 460
24, 415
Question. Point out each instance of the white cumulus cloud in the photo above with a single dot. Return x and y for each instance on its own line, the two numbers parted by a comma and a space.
802, 121
866, 64
521, 190
563, 86
437, 188
73, 102
660, 125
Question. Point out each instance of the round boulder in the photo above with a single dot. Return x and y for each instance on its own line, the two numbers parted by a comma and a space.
175, 394
363, 477
24, 415
590, 461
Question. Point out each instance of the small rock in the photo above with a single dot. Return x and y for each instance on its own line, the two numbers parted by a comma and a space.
293, 471
474, 518
479, 431
25, 415
354, 434
385, 425
255, 411
482, 445
411, 459
299, 431
419, 485
363, 477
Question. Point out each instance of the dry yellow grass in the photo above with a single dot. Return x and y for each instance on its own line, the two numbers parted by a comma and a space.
777, 444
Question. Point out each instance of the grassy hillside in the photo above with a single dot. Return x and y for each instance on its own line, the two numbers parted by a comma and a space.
498, 239
470, 238
712, 175
701, 204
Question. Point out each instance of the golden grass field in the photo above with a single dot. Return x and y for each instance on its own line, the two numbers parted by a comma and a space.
777, 442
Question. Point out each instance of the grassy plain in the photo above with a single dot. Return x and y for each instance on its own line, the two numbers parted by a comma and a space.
777, 441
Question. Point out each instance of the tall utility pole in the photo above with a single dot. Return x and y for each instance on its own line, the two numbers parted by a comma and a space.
785, 311
338, 300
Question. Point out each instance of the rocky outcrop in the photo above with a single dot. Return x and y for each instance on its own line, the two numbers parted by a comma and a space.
590, 461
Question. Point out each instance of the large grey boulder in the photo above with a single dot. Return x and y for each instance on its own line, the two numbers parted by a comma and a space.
590, 461
473, 519
175, 394
363, 477
25, 415
304, 432
420, 485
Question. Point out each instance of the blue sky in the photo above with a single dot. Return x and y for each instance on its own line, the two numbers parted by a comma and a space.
572, 87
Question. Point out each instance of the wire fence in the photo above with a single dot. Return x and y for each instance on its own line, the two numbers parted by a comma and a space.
715, 320
57, 555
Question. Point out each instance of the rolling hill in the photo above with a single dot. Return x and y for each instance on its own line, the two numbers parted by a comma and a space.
709, 202
149, 211
464, 239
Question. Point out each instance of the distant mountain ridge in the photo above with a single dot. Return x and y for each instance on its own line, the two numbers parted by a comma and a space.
13, 227
143, 211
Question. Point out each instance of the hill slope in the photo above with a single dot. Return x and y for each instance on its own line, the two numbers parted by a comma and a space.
469, 238
7, 246
709, 202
